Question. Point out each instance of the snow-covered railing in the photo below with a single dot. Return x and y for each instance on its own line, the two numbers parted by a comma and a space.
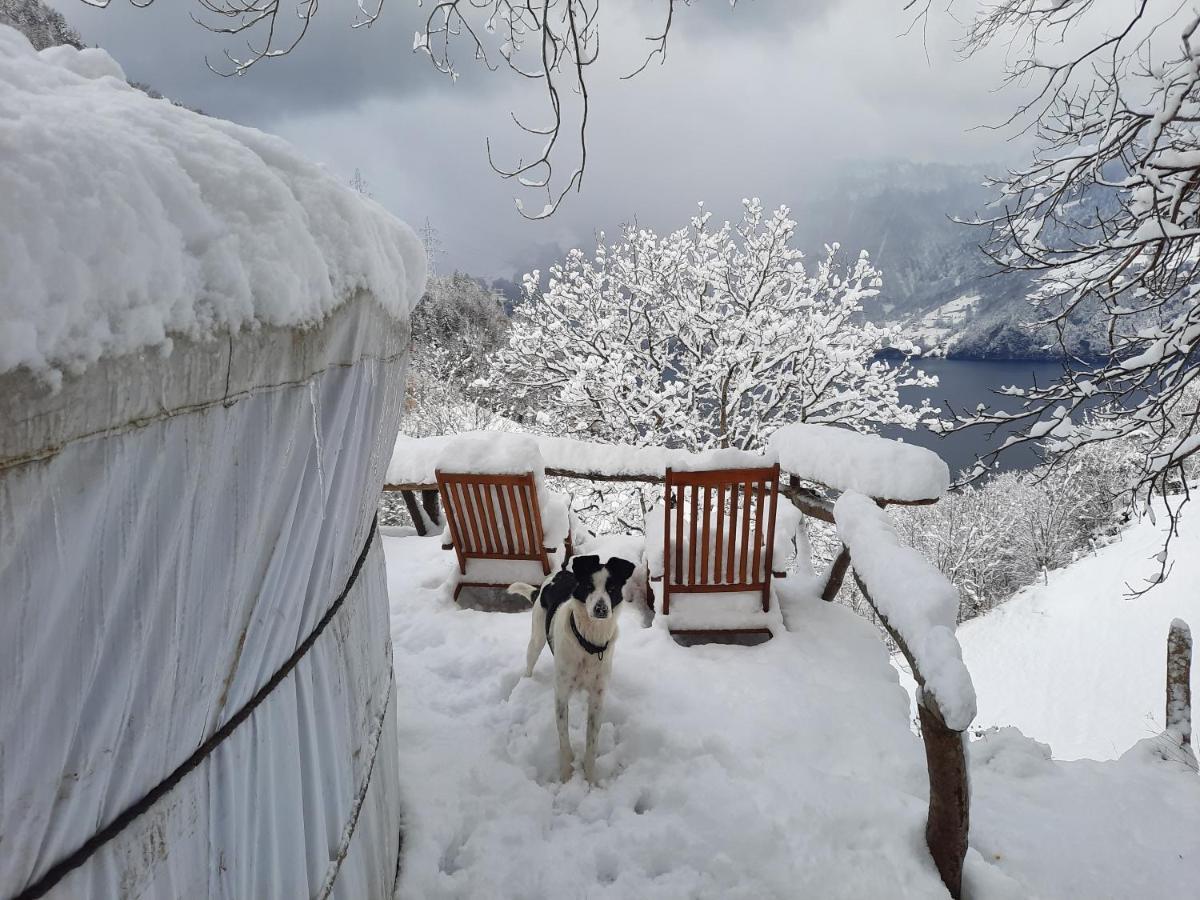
918, 607
845, 460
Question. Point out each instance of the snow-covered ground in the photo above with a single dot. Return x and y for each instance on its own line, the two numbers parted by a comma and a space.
784, 770
1076, 662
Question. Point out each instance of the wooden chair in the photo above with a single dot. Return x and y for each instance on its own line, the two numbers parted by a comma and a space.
719, 536
495, 517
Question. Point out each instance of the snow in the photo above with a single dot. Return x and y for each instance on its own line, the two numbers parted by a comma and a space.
130, 220
723, 458
783, 770
915, 599
501, 453
849, 461
720, 611
1078, 664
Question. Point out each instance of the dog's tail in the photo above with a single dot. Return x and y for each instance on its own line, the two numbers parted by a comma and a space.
528, 591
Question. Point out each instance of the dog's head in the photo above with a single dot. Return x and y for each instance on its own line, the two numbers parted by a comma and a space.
599, 588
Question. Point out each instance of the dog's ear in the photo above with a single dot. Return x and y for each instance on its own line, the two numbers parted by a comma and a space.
619, 571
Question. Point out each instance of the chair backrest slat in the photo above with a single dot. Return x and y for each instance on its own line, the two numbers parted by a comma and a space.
719, 576
692, 545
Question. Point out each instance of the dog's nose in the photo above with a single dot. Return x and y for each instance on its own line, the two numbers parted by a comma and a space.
601, 611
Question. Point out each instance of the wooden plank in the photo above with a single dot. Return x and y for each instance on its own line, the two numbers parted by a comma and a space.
718, 555
677, 506
692, 548
769, 546
705, 575
534, 540
539, 530
455, 531
733, 531
759, 502
748, 497
515, 528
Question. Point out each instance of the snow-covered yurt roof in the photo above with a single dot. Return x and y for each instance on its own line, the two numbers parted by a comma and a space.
130, 221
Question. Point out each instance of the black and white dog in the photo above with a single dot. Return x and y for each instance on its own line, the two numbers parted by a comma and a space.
576, 612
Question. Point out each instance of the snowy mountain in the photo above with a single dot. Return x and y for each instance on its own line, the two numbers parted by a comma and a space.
936, 281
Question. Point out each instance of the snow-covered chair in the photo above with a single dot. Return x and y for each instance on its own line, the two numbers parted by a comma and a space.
501, 522
712, 548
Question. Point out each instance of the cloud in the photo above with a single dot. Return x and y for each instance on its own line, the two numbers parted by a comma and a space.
767, 99
335, 66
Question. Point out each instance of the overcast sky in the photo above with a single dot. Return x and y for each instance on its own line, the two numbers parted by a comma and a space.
768, 99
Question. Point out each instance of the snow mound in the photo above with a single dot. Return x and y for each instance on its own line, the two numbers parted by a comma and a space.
849, 461
494, 454
916, 600
129, 220
723, 458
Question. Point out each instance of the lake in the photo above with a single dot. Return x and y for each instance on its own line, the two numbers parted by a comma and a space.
965, 383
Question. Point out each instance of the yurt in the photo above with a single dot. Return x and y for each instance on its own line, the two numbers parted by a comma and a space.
202, 357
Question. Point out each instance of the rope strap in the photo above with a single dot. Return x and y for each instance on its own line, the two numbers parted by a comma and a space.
64, 867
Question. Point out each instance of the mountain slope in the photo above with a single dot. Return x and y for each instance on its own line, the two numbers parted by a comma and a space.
937, 283
1077, 664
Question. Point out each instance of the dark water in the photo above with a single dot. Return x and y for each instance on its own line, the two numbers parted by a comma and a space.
963, 384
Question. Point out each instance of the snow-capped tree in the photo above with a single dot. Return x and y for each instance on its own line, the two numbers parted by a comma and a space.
45, 27
706, 337
457, 325
1107, 217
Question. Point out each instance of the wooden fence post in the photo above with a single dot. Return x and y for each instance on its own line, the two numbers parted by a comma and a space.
949, 818
414, 512
1179, 685
429, 501
948, 822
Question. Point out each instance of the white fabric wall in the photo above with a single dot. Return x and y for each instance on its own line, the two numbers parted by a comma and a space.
170, 530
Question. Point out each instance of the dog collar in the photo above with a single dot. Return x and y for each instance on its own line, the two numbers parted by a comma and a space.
594, 649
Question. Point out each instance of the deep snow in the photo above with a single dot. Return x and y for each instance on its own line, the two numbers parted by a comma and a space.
784, 770
129, 220
1077, 663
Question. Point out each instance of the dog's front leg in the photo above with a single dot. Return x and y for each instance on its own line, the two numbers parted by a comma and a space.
595, 702
566, 759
